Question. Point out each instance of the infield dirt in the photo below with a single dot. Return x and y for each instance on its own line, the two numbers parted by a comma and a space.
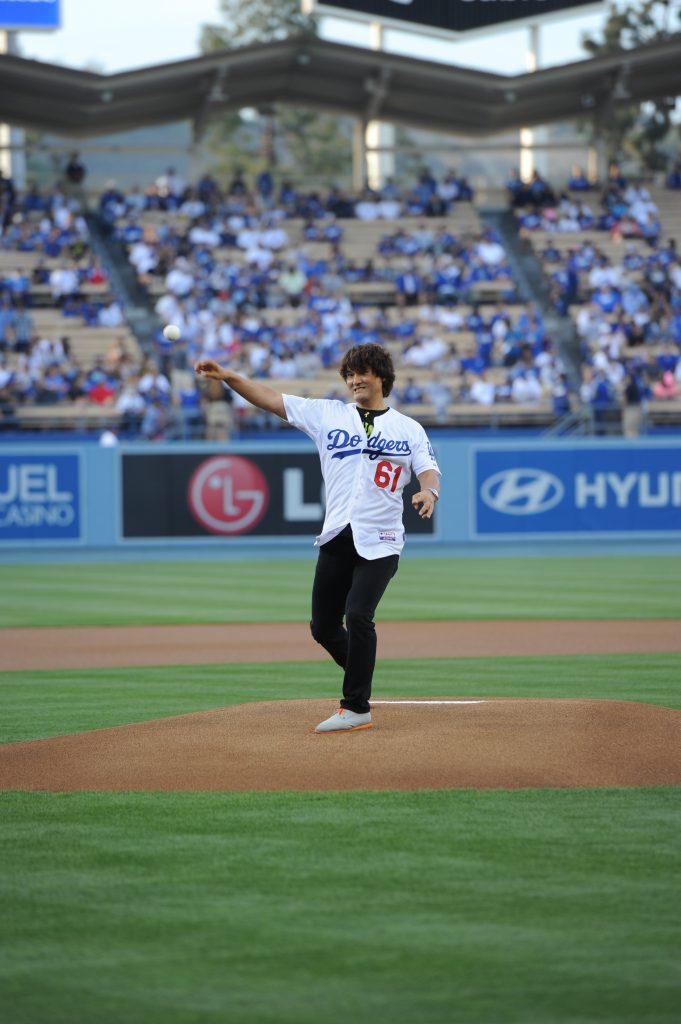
493, 743
104, 646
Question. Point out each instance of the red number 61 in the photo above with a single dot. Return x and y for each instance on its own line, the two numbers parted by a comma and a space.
387, 475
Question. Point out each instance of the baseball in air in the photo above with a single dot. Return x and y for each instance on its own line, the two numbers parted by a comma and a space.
171, 332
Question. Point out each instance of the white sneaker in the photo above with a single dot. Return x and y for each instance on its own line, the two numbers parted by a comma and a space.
345, 721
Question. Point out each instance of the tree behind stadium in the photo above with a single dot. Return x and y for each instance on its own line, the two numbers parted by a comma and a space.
281, 138
642, 131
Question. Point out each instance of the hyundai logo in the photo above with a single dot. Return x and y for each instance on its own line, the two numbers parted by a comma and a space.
522, 492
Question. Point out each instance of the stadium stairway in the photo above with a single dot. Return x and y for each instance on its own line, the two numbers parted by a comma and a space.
136, 302
532, 287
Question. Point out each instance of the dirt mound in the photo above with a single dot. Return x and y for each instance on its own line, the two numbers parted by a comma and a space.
420, 744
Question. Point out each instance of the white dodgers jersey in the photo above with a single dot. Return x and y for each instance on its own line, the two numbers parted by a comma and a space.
364, 476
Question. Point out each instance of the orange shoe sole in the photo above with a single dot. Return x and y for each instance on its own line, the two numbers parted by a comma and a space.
355, 728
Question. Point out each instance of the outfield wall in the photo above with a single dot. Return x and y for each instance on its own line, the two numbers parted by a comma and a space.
153, 501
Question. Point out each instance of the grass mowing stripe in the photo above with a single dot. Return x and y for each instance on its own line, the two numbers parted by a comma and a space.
530, 907
40, 704
460, 588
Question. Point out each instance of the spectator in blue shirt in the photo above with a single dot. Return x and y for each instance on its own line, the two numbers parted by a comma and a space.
615, 176
264, 184
515, 187
410, 393
409, 287
541, 192
33, 201
668, 358
606, 297
389, 190
472, 363
673, 179
578, 181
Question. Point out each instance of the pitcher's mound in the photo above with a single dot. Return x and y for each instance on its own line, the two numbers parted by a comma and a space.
416, 744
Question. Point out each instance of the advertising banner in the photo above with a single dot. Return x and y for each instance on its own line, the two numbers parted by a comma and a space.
223, 496
40, 498
448, 16
576, 491
17, 14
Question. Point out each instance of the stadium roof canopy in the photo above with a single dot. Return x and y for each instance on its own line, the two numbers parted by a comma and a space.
311, 72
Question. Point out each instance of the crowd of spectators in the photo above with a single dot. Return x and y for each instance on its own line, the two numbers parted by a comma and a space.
428, 197
47, 260
624, 293
625, 210
210, 295
262, 278
242, 280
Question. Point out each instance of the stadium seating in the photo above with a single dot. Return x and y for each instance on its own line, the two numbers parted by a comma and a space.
70, 324
366, 264
630, 255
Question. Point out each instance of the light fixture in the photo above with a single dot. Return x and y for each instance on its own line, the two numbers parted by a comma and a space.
620, 92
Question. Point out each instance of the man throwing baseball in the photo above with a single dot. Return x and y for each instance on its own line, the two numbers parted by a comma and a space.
368, 454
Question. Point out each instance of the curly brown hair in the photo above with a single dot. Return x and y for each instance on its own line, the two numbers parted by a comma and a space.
370, 358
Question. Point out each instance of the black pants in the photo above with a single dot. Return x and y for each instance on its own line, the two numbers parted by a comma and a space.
347, 585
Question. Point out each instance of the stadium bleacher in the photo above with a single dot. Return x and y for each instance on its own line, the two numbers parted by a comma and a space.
369, 249
479, 331
624, 339
65, 331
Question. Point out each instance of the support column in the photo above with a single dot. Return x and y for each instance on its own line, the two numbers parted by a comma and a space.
359, 156
5, 151
598, 155
529, 160
380, 137
12, 140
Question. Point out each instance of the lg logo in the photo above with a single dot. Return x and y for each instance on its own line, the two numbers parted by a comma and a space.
522, 492
228, 495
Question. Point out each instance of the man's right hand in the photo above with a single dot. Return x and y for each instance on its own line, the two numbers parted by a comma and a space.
209, 368
256, 392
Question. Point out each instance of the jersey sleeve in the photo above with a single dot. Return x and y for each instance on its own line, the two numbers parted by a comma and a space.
424, 456
305, 413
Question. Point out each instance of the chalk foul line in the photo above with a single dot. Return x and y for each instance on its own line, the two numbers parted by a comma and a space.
429, 702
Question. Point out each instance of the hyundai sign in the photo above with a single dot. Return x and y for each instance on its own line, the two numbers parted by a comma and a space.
448, 16
40, 497
576, 491
17, 14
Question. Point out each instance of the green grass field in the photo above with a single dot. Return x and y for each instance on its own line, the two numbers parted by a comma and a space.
531, 906
460, 588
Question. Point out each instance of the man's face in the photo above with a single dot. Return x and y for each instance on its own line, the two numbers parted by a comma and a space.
366, 389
